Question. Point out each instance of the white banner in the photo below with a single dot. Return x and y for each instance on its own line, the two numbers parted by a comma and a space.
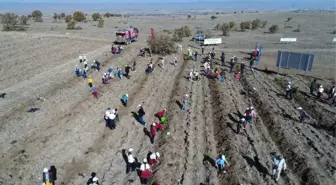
288, 40
334, 40
212, 41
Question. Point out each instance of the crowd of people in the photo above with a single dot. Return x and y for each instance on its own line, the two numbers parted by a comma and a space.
112, 117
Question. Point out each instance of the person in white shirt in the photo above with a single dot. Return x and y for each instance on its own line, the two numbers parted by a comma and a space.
191, 74
196, 75
278, 164
131, 163
153, 158
106, 116
320, 91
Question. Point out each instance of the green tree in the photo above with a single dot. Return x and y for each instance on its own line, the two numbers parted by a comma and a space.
232, 24
213, 17
37, 16
96, 16
263, 24
273, 28
71, 25
68, 18
225, 28
9, 21
101, 23
23, 20
256, 24
79, 16
62, 15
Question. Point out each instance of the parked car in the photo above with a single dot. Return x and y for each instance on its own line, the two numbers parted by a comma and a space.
199, 37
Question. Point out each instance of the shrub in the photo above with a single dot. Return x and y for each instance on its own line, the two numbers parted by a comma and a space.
9, 21
96, 16
37, 16
256, 24
30, 16
232, 24
289, 19
334, 32
245, 25
79, 16
225, 28
189, 16
56, 16
78, 28
162, 44
62, 15
23, 20
273, 28
68, 18
107, 15
213, 17
101, 23
167, 31
217, 27
180, 33
263, 24
298, 28
71, 25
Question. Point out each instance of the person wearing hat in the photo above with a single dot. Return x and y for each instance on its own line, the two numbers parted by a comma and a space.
185, 102
196, 74
242, 67
191, 74
232, 63
127, 70
47, 177
106, 116
248, 114
111, 121
303, 115
104, 79
90, 81
320, 91
131, 162
152, 132
221, 164
278, 164
141, 113
124, 99
145, 172
289, 92
242, 123
153, 158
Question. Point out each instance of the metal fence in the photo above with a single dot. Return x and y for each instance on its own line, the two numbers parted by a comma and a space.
298, 61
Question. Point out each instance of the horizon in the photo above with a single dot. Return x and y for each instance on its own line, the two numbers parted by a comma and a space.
90, 6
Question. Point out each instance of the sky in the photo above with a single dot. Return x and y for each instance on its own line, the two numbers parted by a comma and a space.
166, 1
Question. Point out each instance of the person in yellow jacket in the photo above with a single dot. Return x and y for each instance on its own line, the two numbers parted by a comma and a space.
90, 81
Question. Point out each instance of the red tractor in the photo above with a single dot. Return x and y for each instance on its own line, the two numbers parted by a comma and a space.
126, 36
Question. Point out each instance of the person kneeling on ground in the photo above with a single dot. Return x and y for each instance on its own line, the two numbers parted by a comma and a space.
153, 158
94, 91
145, 172
161, 113
124, 99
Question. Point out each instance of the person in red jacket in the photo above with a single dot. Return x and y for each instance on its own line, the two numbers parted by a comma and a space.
161, 113
152, 132
158, 126
145, 172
